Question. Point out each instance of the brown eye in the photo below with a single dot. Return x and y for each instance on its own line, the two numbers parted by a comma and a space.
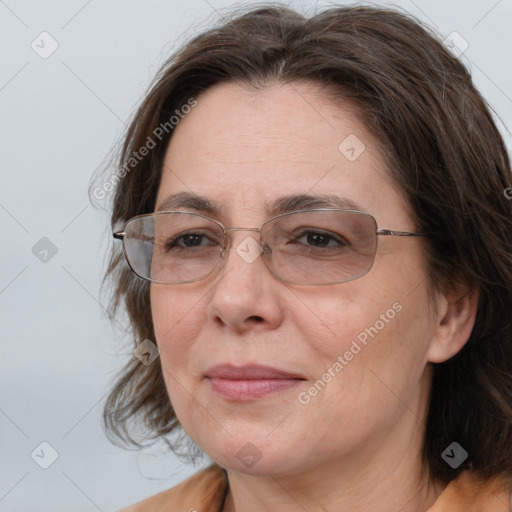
192, 240
320, 239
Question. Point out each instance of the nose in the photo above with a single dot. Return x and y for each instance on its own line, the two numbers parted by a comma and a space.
246, 295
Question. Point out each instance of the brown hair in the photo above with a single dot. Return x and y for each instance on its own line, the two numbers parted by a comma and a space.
444, 151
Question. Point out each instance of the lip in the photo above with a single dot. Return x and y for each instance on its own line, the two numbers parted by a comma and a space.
249, 372
245, 383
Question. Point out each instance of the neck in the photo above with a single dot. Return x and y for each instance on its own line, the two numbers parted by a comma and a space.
320, 492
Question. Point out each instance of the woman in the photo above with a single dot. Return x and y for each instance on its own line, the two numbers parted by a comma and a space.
319, 242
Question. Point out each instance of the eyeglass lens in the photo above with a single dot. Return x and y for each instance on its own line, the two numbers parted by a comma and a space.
311, 247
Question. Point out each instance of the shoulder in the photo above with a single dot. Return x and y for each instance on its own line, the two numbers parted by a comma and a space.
202, 492
468, 492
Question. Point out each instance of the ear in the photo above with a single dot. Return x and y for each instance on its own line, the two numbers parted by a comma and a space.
455, 320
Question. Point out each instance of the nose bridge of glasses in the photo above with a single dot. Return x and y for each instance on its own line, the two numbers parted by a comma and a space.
254, 230
229, 240
242, 229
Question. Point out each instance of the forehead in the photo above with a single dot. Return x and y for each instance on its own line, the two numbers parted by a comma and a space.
245, 148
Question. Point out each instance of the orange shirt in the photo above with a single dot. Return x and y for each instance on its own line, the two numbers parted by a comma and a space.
206, 491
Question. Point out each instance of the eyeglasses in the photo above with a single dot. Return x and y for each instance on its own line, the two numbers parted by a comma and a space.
307, 247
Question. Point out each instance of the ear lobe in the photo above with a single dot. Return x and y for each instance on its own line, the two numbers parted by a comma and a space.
455, 321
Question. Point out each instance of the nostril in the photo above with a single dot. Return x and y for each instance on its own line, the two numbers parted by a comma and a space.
257, 319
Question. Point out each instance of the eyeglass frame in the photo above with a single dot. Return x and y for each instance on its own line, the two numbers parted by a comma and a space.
120, 235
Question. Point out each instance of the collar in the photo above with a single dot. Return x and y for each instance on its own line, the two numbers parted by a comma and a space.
206, 491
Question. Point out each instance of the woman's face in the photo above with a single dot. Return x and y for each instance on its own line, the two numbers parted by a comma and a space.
350, 358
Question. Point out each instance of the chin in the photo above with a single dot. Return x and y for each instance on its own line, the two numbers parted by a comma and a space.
253, 459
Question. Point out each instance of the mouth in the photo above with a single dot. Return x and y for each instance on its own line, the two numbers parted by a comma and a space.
248, 383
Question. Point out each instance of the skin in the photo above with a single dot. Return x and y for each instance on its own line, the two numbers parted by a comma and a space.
356, 445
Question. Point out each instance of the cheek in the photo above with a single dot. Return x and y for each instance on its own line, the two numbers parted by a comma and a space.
365, 334
178, 318
369, 368
348, 314
177, 321
172, 306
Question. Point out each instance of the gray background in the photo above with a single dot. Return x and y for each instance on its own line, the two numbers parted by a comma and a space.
59, 118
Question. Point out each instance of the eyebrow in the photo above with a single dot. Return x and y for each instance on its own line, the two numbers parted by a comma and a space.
279, 206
